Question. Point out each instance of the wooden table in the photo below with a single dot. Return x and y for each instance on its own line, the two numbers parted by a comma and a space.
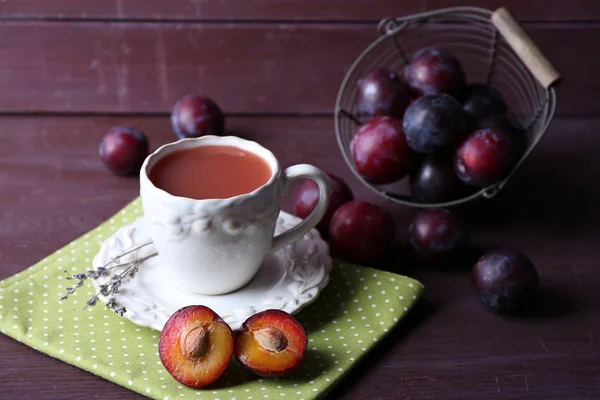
71, 69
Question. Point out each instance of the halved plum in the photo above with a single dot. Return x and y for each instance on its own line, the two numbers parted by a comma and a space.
196, 346
271, 343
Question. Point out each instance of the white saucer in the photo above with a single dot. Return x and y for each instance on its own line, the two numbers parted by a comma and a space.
289, 279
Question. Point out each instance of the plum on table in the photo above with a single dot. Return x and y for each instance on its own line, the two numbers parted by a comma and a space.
361, 232
505, 281
195, 116
123, 150
437, 235
307, 197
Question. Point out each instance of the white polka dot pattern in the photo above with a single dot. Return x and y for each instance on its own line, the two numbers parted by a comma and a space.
357, 309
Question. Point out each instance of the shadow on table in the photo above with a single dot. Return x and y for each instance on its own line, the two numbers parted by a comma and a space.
551, 302
234, 376
404, 261
421, 312
330, 304
553, 192
314, 363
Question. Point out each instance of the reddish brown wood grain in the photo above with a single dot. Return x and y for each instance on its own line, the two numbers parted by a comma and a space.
54, 188
247, 68
295, 10
78, 67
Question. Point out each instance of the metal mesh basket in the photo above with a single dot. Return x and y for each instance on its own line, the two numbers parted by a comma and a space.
492, 47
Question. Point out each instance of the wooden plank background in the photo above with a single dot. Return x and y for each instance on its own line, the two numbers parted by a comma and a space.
54, 188
71, 69
294, 10
247, 68
47, 159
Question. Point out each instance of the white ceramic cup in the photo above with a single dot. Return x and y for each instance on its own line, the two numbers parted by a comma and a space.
216, 246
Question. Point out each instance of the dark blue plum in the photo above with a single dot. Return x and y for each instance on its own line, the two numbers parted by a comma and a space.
382, 92
483, 100
505, 281
434, 122
434, 180
433, 70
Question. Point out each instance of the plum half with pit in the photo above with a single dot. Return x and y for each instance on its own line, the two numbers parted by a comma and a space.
361, 232
437, 235
271, 343
435, 70
381, 92
434, 180
195, 346
380, 151
486, 156
307, 197
505, 281
195, 116
123, 150
434, 123
483, 100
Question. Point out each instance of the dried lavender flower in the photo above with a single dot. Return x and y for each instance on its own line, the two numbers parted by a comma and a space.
112, 287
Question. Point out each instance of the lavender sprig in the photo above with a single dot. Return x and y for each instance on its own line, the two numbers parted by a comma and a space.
112, 287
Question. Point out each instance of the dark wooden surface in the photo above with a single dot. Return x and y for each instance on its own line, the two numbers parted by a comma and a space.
71, 69
109, 67
273, 10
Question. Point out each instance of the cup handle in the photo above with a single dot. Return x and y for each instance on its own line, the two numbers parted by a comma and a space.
325, 187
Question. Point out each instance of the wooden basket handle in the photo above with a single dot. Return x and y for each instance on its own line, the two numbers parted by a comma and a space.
523, 45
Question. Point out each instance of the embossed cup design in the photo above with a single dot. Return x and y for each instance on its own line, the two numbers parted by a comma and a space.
216, 246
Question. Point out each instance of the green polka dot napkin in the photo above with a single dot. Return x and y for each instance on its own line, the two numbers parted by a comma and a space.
358, 308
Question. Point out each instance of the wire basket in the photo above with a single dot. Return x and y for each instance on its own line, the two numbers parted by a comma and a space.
492, 47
